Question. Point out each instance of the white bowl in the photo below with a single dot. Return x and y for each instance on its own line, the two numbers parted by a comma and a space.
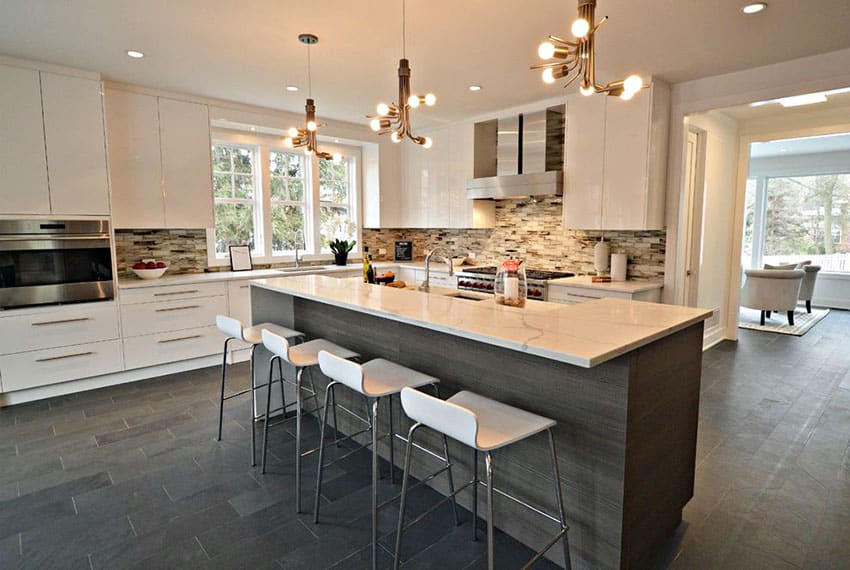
458, 261
150, 273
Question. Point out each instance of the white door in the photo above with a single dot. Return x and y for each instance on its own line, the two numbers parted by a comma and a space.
23, 165
694, 173
76, 150
135, 167
186, 164
584, 162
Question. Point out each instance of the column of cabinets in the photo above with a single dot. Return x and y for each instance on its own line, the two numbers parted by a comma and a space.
434, 182
159, 159
52, 151
616, 161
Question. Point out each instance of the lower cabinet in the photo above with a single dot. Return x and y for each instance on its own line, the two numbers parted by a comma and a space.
567, 295
162, 348
42, 367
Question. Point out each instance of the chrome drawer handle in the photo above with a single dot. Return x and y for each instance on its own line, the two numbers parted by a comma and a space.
168, 310
51, 358
45, 323
176, 293
244, 286
178, 339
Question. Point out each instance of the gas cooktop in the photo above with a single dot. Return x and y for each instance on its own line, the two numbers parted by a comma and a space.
536, 274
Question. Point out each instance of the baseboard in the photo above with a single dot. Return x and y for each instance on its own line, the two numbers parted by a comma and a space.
713, 336
831, 303
124, 377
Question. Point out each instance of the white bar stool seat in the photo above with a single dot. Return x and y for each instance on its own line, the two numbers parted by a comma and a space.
484, 425
307, 354
234, 329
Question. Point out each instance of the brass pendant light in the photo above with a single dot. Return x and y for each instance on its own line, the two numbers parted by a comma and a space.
574, 59
394, 118
305, 137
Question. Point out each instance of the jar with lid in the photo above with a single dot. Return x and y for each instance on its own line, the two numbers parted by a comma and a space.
511, 285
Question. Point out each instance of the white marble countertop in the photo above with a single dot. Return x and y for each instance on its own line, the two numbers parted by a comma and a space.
586, 282
586, 334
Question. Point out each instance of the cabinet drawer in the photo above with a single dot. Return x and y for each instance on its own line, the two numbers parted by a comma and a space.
173, 346
239, 301
42, 367
149, 318
573, 295
170, 292
89, 322
442, 280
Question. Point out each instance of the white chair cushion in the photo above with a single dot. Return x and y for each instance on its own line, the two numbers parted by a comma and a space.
382, 378
254, 334
499, 424
307, 354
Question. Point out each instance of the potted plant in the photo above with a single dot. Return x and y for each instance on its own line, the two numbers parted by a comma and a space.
340, 249
343, 231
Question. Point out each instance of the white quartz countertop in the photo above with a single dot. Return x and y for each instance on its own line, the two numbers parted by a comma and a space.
586, 282
586, 334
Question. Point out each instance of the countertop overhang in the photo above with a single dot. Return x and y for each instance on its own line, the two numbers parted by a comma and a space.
585, 335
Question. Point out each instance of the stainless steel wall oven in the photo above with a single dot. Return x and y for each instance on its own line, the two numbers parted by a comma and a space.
45, 262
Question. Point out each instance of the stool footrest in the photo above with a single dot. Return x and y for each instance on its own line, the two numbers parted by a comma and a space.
539, 554
521, 502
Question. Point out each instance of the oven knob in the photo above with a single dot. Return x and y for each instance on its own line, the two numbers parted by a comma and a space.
537, 293
461, 283
489, 286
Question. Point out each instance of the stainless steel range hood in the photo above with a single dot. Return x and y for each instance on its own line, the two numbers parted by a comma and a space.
519, 156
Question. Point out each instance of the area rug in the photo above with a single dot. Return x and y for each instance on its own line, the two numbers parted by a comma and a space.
778, 323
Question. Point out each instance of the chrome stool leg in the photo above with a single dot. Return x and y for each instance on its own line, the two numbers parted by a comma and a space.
474, 494
392, 440
451, 479
491, 556
565, 539
299, 402
268, 411
329, 391
223, 379
375, 483
254, 406
405, 477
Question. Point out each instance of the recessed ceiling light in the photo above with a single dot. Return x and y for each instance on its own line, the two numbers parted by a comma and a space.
475, 88
800, 100
754, 8
135, 54
292, 88
336, 140
253, 128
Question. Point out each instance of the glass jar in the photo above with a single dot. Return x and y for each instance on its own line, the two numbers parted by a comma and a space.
511, 285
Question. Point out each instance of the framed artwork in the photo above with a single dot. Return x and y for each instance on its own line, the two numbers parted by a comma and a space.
240, 258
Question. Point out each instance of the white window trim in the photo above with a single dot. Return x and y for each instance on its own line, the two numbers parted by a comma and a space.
269, 142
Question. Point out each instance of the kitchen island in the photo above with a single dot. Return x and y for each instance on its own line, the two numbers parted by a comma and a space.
620, 377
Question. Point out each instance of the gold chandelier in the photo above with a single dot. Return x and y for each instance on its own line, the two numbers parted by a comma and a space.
306, 137
578, 59
394, 118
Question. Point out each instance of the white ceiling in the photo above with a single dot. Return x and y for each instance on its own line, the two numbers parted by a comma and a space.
807, 145
247, 51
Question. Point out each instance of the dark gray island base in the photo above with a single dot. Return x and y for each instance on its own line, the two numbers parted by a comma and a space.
626, 433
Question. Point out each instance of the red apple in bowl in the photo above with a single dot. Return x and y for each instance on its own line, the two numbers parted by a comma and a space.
160, 265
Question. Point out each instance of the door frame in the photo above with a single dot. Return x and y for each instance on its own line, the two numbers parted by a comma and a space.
694, 195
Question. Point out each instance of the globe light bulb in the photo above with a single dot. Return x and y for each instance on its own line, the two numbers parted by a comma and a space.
311, 126
546, 50
548, 75
586, 91
430, 99
413, 101
396, 138
337, 158
427, 143
375, 125
383, 109
580, 28
627, 95
633, 83
287, 142
292, 132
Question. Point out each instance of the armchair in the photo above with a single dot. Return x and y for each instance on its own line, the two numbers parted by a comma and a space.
771, 290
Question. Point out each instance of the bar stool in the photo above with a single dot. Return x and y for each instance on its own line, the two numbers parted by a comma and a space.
374, 380
484, 425
301, 356
233, 329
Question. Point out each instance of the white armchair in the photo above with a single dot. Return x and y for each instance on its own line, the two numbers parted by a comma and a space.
771, 290
807, 289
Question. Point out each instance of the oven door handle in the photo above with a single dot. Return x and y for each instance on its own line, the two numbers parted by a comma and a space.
51, 243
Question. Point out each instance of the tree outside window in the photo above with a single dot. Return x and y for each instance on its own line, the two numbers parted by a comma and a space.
287, 180
235, 192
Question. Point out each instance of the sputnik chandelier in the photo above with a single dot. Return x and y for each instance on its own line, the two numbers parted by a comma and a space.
574, 59
395, 118
306, 137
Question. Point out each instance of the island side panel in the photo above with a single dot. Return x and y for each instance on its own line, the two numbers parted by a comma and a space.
270, 307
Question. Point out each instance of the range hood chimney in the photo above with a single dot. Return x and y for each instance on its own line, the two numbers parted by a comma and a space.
520, 156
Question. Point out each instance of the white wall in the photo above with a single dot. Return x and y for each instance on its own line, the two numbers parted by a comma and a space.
721, 162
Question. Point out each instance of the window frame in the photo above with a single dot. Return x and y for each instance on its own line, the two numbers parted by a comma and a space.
256, 202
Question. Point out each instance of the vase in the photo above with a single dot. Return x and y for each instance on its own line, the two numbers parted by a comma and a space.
341, 258
511, 286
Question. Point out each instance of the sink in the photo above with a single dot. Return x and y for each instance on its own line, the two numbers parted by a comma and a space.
466, 296
296, 269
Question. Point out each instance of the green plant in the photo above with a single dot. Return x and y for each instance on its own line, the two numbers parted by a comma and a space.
341, 246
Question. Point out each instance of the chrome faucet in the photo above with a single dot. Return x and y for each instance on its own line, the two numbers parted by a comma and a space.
297, 259
447, 256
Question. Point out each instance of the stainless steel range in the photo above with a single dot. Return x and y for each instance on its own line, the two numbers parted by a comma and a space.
483, 279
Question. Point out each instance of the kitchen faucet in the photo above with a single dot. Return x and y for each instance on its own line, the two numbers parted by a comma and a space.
447, 256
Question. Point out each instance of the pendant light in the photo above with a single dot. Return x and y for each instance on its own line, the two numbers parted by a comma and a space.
394, 118
306, 137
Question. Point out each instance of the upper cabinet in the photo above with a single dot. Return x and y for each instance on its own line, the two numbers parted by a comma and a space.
159, 161
616, 161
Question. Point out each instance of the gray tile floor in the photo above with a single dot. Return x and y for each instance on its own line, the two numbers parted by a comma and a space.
131, 476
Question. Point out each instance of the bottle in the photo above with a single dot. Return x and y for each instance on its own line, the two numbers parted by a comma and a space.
366, 264
370, 273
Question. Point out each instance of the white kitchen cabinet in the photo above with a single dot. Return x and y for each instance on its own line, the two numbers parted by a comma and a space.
616, 161
42, 367
415, 178
174, 346
463, 212
186, 164
64, 326
567, 295
23, 163
76, 149
135, 167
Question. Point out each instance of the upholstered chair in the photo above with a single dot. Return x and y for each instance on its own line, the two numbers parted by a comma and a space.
771, 290
807, 289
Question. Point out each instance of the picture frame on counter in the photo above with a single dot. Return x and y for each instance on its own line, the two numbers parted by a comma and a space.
403, 251
240, 258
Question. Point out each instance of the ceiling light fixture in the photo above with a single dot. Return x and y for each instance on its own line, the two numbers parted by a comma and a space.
754, 8
395, 118
292, 88
577, 58
305, 137
135, 54
475, 88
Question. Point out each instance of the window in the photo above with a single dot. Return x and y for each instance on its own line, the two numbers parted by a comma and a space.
278, 200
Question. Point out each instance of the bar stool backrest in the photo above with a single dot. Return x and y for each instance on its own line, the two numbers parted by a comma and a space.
229, 326
343, 371
276, 344
455, 421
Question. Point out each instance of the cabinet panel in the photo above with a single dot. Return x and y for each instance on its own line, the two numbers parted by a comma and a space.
43, 367
436, 192
23, 165
158, 293
186, 164
150, 350
135, 167
415, 178
584, 162
86, 322
76, 150
149, 318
